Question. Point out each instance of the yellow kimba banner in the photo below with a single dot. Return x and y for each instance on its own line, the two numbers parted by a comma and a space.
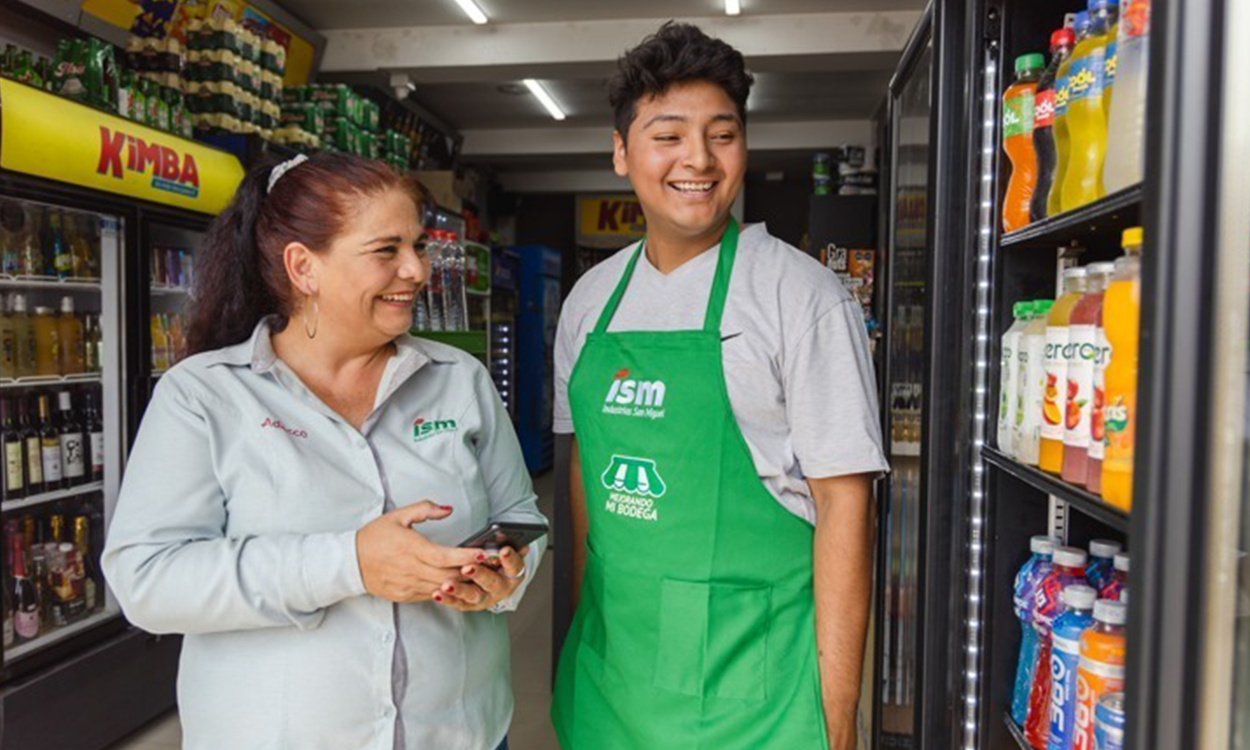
609, 221
55, 138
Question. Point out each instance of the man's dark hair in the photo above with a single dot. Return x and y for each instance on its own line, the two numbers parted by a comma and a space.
678, 52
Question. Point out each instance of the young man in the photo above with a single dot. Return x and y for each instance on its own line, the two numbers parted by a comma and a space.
721, 393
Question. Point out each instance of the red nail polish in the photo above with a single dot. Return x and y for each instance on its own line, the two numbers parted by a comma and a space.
447, 508
481, 557
438, 598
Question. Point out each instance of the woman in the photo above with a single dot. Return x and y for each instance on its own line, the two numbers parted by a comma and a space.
285, 508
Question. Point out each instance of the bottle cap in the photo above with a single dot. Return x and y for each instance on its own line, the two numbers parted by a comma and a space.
1112, 613
1062, 38
1103, 269
1104, 548
67, 305
1132, 237
1042, 306
1097, 5
19, 303
1070, 557
1043, 545
1121, 562
1079, 596
1021, 310
1031, 61
43, 311
1081, 24
1076, 272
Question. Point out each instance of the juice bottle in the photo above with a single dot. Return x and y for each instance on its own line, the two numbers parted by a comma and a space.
1127, 118
1057, 391
69, 329
1082, 361
25, 329
1097, 415
160, 361
47, 343
1121, 313
1068, 569
1010, 376
1087, 122
1101, 563
1018, 103
1065, 657
1044, 123
1101, 669
1032, 366
8, 343
1036, 568
1063, 140
1118, 582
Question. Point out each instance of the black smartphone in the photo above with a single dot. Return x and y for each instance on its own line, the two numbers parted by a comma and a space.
506, 534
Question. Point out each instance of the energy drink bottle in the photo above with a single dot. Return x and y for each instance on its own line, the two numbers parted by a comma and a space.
1109, 721
1101, 670
1033, 571
1068, 570
1101, 565
1065, 656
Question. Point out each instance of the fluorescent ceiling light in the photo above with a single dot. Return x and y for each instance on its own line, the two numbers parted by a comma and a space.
472, 11
733, 7
541, 94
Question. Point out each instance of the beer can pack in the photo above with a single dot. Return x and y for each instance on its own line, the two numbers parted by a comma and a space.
1109, 722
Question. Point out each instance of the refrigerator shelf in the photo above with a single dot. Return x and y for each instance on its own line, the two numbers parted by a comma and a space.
163, 289
1114, 212
1017, 734
50, 380
1087, 503
51, 497
17, 652
49, 282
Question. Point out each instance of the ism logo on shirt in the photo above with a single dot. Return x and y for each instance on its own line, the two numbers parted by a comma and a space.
635, 398
424, 429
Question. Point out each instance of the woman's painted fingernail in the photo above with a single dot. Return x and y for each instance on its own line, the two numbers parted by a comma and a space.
448, 588
447, 508
438, 598
506, 552
481, 557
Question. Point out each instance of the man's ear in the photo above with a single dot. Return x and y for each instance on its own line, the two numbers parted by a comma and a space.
618, 154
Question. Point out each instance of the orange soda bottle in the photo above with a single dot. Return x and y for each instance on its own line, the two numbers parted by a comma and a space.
1121, 316
1101, 669
1018, 109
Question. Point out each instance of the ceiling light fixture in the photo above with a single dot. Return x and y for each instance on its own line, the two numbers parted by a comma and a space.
472, 11
541, 94
733, 7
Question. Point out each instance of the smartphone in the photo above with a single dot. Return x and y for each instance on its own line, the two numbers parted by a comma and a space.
506, 534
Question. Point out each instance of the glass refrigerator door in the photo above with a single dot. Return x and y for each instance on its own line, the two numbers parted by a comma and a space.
60, 412
171, 270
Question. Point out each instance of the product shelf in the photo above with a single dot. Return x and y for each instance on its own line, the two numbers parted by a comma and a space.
51, 497
1017, 733
1113, 212
473, 342
8, 281
48, 381
163, 289
1082, 500
60, 634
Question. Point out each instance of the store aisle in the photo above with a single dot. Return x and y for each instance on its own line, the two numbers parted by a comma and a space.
531, 664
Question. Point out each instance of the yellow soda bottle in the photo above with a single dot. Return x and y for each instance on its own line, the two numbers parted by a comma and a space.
1121, 316
1086, 118
1063, 93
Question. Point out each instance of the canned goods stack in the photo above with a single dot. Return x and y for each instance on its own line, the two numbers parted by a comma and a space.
233, 78
822, 177
396, 149
336, 116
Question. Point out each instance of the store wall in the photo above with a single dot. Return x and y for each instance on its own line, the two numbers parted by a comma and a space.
17, 28
549, 219
781, 204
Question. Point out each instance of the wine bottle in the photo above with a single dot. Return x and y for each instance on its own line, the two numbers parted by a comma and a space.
33, 450
25, 601
82, 540
14, 485
50, 448
73, 459
93, 426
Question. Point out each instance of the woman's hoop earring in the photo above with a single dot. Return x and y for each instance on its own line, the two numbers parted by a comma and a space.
311, 331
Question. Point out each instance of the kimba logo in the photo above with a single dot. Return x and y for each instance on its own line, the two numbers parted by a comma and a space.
121, 152
423, 429
625, 391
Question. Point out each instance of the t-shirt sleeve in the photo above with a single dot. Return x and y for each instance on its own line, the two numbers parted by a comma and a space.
565, 356
831, 397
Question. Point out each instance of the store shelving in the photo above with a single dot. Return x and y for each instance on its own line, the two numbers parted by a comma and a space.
60, 634
44, 498
50, 381
1111, 213
164, 289
49, 282
1080, 499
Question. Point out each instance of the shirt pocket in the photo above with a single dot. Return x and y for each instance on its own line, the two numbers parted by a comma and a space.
713, 639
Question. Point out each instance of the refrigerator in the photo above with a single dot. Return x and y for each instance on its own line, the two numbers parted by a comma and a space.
79, 224
538, 314
948, 636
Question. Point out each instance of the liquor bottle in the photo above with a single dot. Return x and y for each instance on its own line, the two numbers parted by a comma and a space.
80, 244
10, 635
50, 448
97, 343
62, 256
70, 592
91, 340
14, 486
56, 526
24, 334
70, 336
22, 591
73, 458
82, 540
93, 426
8, 342
33, 451
47, 343
42, 579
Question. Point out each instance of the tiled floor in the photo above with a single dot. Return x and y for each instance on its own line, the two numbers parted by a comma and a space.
531, 666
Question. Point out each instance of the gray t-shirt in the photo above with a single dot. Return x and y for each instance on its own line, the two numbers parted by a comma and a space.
796, 357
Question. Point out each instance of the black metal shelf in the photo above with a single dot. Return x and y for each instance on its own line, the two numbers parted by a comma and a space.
1082, 500
1113, 212
1016, 733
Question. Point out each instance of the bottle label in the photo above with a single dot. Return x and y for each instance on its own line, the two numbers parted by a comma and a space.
1118, 416
97, 454
34, 461
72, 458
1083, 354
13, 461
1097, 417
1018, 115
26, 624
1109, 65
52, 462
1044, 109
1088, 76
1055, 392
1063, 93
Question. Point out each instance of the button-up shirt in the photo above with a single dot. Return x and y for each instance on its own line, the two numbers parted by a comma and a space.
236, 526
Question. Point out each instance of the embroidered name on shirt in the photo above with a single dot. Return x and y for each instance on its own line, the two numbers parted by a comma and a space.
628, 397
424, 429
279, 426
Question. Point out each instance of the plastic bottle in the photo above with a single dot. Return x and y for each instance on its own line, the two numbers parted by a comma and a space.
69, 328
47, 343
1063, 140
1065, 657
8, 342
434, 289
160, 359
1042, 549
25, 329
1109, 62
1121, 313
1057, 391
1127, 119
1101, 563
1068, 569
1009, 379
1032, 366
1018, 103
1118, 583
1044, 124
1087, 122
1101, 669
1083, 355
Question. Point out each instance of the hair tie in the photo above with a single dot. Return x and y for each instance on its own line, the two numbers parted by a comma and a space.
283, 168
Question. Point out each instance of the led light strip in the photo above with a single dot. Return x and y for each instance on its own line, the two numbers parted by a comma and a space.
976, 505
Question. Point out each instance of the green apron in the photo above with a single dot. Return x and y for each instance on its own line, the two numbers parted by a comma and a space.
696, 628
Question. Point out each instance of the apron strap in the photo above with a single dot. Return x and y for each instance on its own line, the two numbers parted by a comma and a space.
720, 283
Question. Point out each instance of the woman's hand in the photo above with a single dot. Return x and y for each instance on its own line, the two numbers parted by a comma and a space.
479, 587
399, 564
